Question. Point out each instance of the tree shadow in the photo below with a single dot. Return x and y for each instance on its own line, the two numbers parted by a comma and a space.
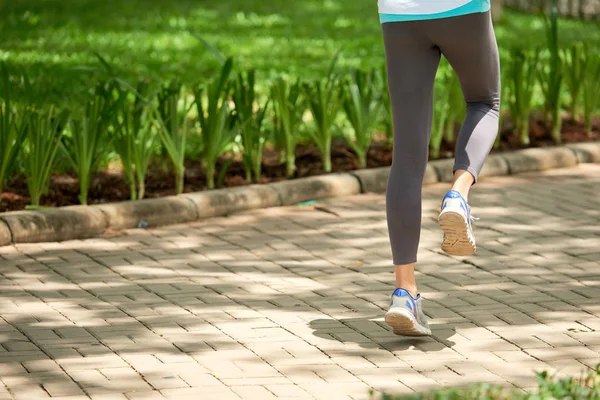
277, 292
153, 38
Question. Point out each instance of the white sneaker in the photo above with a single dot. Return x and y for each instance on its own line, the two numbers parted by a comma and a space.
405, 315
455, 220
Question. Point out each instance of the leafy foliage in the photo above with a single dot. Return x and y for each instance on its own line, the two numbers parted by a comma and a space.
86, 141
585, 387
135, 134
361, 100
173, 127
573, 59
520, 87
551, 76
13, 126
232, 116
249, 117
214, 114
449, 108
44, 132
591, 87
288, 107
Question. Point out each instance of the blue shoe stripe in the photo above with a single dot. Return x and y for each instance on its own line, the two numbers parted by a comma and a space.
453, 194
411, 302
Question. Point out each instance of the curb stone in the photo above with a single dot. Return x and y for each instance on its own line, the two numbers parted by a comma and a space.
374, 180
541, 159
216, 203
586, 152
315, 188
495, 165
443, 169
5, 234
79, 222
147, 213
66, 223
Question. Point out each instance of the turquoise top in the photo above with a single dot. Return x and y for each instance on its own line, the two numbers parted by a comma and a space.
474, 6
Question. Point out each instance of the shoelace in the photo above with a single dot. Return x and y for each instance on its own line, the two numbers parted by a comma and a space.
474, 218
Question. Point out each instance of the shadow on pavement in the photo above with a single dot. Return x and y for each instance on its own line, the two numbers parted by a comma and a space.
299, 295
372, 333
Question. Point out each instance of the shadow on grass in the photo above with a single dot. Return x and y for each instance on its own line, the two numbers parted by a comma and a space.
151, 37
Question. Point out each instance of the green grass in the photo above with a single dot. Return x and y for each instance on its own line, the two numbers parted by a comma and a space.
584, 386
55, 39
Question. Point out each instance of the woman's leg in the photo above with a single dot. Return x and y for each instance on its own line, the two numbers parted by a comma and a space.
463, 180
412, 61
469, 44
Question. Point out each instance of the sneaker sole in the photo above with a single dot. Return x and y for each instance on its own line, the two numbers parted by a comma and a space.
456, 236
404, 324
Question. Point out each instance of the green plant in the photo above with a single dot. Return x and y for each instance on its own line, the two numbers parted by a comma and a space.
288, 107
591, 89
520, 86
584, 387
215, 119
574, 59
440, 116
551, 74
450, 106
361, 101
136, 49
475, 392
503, 100
457, 107
249, 117
324, 103
13, 126
387, 114
44, 133
173, 128
84, 145
134, 135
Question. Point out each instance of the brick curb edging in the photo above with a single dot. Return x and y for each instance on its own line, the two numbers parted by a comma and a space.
79, 222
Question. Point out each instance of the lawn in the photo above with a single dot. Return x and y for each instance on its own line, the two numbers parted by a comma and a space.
55, 39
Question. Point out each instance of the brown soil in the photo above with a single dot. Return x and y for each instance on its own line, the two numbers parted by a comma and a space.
110, 186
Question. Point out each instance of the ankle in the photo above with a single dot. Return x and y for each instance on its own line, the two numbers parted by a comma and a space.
464, 191
405, 278
463, 180
410, 288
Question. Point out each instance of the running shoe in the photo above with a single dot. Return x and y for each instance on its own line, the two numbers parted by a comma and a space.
405, 315
455, 220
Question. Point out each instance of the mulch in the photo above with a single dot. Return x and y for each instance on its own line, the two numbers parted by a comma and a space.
110, 186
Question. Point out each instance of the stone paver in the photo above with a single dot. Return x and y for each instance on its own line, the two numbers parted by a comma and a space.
288, 302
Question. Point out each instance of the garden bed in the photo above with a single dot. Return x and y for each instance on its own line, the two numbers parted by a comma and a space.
110, 185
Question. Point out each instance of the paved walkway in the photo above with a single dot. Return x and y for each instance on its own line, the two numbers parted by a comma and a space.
288, 302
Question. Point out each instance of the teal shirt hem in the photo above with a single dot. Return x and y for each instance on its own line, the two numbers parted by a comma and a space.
475, 6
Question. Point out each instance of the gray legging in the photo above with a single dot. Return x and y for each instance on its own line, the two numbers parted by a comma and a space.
413, 52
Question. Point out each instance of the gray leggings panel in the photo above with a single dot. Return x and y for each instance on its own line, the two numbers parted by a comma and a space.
413, 50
